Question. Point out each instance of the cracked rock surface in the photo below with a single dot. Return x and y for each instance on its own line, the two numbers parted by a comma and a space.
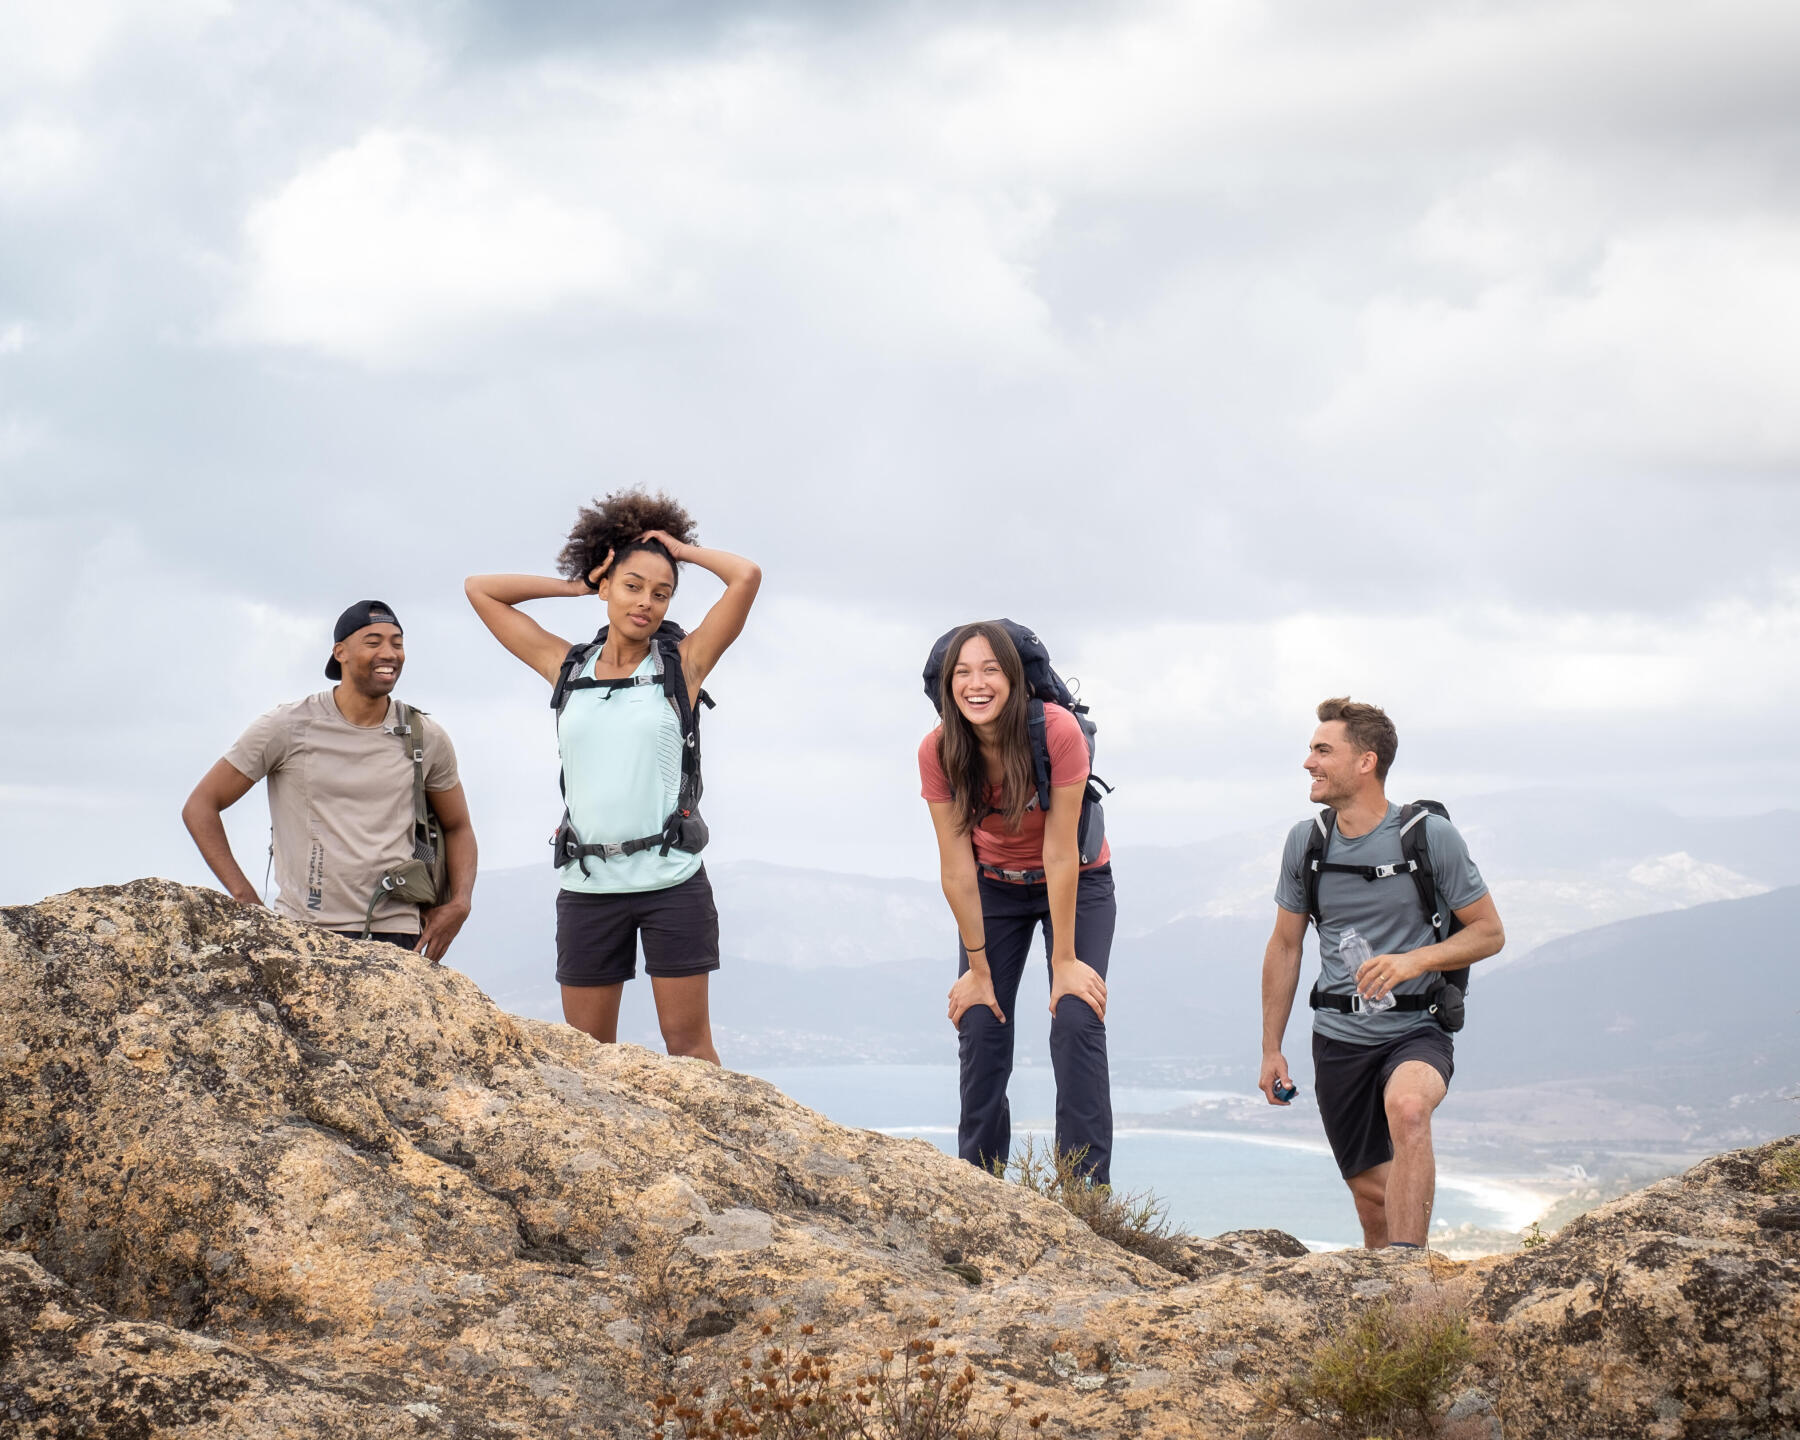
259, 1181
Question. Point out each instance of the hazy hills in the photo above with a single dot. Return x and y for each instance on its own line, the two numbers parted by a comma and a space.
1695, 1006
1691, 1006
1558, 861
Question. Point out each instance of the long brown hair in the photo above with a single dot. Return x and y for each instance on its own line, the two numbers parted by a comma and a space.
959, 752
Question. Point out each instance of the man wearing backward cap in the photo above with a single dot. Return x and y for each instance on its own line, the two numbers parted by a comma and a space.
341, 770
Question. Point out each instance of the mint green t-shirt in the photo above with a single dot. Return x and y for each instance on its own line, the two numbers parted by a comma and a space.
621, 759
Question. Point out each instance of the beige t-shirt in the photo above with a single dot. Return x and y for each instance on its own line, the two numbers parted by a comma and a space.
340, 801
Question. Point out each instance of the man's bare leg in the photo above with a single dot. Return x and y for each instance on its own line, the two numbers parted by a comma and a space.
1369, 1189
1414, 1090
594, 1010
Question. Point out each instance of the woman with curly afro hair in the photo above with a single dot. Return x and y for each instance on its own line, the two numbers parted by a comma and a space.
628, 731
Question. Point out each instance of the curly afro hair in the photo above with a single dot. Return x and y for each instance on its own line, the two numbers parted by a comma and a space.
615, 524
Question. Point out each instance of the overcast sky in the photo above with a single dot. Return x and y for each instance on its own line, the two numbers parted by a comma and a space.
1447, 355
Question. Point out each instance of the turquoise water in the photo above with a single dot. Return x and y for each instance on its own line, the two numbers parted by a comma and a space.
1211, 1181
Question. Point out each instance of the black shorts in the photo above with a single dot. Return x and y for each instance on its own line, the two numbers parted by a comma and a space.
597, 935
1351, 1081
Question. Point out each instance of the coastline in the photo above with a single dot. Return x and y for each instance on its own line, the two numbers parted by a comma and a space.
1506, 1205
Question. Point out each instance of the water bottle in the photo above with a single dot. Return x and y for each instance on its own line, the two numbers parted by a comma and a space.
1355, 953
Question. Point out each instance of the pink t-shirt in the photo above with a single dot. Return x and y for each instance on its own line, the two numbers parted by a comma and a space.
994, 844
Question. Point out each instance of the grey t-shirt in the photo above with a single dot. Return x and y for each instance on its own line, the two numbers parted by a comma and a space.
340, 804
1385, 912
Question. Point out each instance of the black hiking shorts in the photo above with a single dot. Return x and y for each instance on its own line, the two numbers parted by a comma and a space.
597, 935
1351, 1081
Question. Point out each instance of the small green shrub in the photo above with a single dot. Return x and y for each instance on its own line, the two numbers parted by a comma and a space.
1137, 1222
1385, 1367
793, 1391
1533, 1235
1781, 1171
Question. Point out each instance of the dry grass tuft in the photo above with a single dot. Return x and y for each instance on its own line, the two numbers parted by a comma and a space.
790, 1388
1781, 1171
1137, 1222
1388, 1368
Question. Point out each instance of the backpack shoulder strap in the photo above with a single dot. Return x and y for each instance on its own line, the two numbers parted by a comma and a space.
572, 666
1444, 923
411, 735
1040, 751
674, 684
1414, 850
1318, 842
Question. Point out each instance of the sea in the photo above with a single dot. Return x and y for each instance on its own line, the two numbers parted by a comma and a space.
1210, 1180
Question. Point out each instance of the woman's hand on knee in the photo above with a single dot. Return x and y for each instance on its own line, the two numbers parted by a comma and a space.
971, 990
1077, 978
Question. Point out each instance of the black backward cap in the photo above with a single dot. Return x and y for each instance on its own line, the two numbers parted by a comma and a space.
359, 616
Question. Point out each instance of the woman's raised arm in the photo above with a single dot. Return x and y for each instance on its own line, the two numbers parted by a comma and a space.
712, 637
495, 598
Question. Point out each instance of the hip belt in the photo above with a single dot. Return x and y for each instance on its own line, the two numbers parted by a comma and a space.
1015, 877
1353, 1004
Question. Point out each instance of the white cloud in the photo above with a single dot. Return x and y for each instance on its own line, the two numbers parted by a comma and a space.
1172, 97
1223, 677
734, 192
19, 436
38, 158
1679, 345
390, 247
61, 43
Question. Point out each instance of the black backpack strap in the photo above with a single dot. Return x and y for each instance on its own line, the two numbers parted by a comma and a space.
674, 683
1444, 923
568, 676
1040, 751
1312, 858
1412, 846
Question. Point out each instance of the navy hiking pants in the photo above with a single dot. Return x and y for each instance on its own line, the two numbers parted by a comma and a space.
1010, 913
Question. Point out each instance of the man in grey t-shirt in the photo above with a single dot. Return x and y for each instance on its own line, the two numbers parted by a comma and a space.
341, 797
1379, 1075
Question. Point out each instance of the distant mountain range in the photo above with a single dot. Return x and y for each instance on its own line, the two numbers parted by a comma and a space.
1558, 861
1692, 1002
1698, 1006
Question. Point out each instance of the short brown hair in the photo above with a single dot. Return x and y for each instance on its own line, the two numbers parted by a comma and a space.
1368, 727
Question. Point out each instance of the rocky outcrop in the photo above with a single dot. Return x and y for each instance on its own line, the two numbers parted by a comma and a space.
259, 1181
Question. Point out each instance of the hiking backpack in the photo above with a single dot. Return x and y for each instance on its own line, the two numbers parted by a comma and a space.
684, 829
1042, 684
1415, 861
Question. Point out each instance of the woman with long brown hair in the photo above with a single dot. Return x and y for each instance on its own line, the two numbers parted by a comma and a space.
1009, 865
628, 848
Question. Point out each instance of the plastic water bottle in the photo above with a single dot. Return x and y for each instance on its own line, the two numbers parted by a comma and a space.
1355, 953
